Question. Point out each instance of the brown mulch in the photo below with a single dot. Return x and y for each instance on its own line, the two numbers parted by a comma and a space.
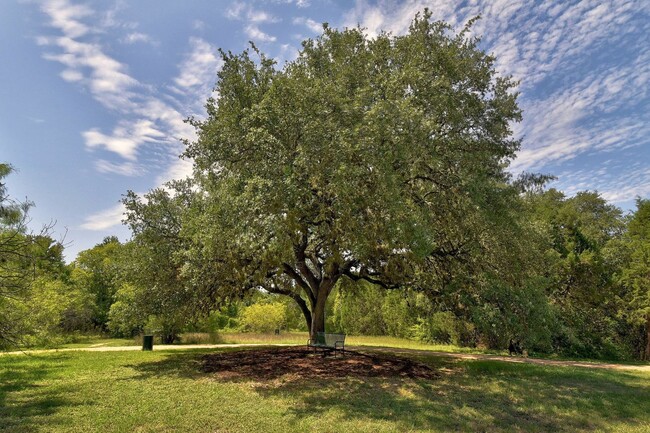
300, 362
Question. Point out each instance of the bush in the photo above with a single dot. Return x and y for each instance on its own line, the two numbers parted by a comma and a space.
441, 327
263, 317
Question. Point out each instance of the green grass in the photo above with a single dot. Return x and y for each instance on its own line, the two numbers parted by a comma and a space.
234, 337
166, 392
96, 341
402, 343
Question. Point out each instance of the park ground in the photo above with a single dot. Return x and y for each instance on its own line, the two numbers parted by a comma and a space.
289, 389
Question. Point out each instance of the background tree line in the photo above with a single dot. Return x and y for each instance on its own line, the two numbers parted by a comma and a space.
586, 292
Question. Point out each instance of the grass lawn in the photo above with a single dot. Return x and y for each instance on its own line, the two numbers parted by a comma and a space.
234, 337
167, 391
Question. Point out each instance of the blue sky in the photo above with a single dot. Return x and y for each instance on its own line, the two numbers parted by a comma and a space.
93, 93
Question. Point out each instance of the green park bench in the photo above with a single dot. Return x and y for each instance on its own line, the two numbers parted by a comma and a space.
328, 343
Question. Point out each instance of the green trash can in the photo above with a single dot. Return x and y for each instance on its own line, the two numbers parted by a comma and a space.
147, 342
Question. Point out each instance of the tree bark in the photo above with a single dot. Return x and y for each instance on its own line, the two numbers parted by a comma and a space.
318, 316
305, 310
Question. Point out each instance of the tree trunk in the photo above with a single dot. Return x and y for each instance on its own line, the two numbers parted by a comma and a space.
305, 310
646, 354
318, 317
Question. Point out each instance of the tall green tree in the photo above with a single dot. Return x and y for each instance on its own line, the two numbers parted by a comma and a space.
16, 262
98, 271
636, 273
162, 282
31, 270
379, 159
579, 269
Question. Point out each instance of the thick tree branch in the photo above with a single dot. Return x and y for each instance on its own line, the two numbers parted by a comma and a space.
299, 252
289, 271
367, 277
297, 298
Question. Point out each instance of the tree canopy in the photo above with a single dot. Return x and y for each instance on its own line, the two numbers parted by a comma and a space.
380, 159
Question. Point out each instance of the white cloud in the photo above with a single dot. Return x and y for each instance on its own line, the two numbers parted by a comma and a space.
393, 17
235, 11
312, 25
179, 169
559, 127
109, 18
124, 169
297, 3
241, 11
259, 16
256, 34
107, 78
616, 182
105, 219
136, 37
198, 69
287, 53
126, 137
147, 119
66, 16
71, 75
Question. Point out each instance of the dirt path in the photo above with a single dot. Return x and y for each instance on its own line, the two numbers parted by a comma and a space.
550, 362
98, 348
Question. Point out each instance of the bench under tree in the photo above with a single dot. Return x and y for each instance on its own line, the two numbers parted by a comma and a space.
327, 343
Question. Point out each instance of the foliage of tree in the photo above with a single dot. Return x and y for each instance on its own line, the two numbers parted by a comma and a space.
580, 270
369, 159
16, 262
264, 317
98, 271
154, 262
636, 273
37, 302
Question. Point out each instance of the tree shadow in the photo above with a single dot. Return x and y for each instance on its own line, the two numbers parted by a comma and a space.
474, 399
25, 403
468, 396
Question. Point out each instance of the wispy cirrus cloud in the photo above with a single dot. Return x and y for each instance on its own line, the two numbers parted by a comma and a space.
124, 169
615, 181
312, 25
254, 32
125, 138
253, 17
67, 17
198, 69
147, 117
110, 83
603, 111
105, 219
137, 37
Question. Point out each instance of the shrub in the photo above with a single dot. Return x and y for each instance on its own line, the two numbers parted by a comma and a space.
263, 317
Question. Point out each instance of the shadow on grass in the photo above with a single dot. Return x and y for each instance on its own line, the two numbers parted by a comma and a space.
475, 402
26, 404
469, 396
186, 364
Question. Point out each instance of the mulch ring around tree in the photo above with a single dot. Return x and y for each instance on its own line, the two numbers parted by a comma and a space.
300, 362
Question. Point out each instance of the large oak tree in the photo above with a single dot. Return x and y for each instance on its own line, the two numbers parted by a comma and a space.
380, 159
